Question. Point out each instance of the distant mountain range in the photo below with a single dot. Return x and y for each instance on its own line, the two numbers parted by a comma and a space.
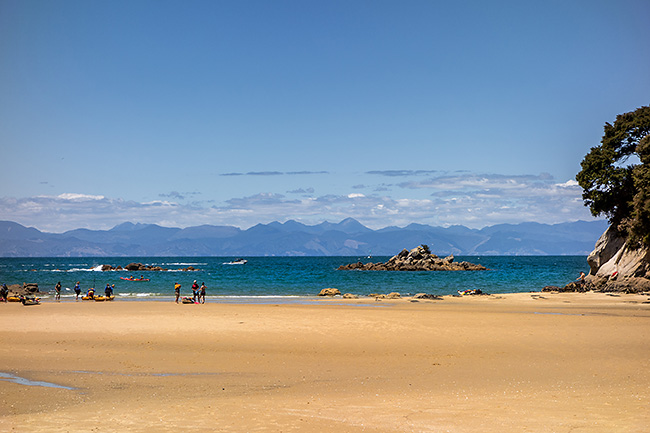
347, 238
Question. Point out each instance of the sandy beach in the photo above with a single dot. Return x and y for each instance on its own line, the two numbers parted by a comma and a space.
529, 362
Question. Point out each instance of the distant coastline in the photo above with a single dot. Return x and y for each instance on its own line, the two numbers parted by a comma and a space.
293, 239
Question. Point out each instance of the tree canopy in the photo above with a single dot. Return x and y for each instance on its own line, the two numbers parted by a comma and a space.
615, 176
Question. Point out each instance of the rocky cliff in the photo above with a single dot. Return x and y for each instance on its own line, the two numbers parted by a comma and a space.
615, 266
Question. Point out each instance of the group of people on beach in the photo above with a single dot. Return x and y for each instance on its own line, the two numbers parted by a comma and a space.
198, 293
108, 291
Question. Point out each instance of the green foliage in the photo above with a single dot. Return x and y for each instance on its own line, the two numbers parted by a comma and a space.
426, 248
615, 187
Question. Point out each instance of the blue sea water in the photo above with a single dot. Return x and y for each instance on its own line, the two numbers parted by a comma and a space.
284, 277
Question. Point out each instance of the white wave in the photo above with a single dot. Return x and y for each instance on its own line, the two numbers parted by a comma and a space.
256, 296
136, 295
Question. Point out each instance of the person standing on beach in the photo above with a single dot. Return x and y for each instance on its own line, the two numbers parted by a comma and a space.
108, 291
195, 292
4, 293
177, 290
57, 291
202, 293
77, 290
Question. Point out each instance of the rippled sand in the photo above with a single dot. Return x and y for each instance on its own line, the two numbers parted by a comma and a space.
508, 363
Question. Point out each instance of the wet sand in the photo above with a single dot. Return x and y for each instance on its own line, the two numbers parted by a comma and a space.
533, 362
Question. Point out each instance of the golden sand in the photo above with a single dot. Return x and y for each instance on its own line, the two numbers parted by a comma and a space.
506, 363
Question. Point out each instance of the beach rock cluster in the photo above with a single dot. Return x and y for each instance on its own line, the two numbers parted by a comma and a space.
140, 267
336, 292
425, 296
418, 259
571, 287
392, 295
617, 266
25, 289
329, 292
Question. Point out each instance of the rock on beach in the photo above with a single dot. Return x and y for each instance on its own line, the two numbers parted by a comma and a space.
329, 292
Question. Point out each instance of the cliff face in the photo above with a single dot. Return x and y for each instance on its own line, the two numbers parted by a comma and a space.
616, 267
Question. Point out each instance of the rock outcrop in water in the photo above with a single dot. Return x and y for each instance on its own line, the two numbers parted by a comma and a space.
418, 259
141, 267
616, 266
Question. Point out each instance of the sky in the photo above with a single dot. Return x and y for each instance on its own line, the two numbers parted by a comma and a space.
183, 113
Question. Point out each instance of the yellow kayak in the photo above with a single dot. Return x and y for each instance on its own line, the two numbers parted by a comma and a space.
13, 299
104, 298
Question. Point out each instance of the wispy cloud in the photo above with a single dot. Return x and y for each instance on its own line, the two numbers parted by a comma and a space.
470, 182
177, 195
293, 173
275, 173
302, 191
402, 173
471, 200
264, 173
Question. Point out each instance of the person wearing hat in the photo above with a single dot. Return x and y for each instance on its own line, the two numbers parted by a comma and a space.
195, 292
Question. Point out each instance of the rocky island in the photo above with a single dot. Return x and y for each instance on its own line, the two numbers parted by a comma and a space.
141, 267
418, 259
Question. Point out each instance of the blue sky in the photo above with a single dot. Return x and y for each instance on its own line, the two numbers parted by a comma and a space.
246, 112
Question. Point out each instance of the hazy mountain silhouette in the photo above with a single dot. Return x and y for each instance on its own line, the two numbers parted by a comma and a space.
291, 238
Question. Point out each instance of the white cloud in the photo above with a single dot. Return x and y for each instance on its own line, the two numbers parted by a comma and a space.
471, 200
568, 183
80, 197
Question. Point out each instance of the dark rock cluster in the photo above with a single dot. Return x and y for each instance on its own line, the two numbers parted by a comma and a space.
571, 287
141, 267
25, 289
418, 259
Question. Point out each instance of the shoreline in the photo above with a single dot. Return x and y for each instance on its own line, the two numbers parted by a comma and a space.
536, 362
48, 298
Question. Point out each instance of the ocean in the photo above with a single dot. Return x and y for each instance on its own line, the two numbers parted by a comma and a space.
271, 279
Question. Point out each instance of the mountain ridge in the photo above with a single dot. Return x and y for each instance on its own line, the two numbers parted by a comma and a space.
291, 238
